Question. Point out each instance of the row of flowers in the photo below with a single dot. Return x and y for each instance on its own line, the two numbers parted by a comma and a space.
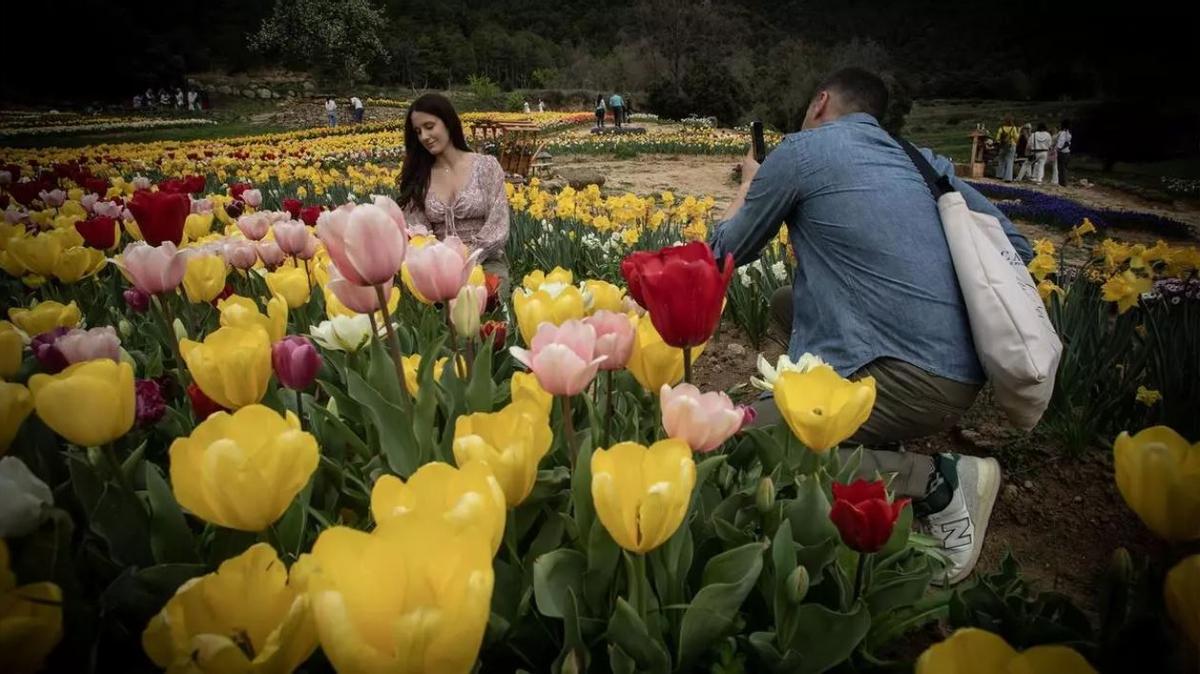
101, 125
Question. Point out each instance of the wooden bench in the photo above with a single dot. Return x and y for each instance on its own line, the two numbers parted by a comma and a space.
516, 144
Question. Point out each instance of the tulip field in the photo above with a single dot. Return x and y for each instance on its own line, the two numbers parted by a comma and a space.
251, 421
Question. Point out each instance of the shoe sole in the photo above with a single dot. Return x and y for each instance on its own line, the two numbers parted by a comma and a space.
984, 477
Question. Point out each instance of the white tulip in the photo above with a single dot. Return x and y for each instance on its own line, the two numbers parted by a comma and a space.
24, 499
343, 333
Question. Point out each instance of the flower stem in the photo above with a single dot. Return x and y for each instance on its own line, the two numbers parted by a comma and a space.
859, 573
453, 337
608, 407
568, 428
687, 364
164, 312
300, 408
393, 342
638, 584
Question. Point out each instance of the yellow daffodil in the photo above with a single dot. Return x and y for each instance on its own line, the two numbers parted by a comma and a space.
245, 617
1157, 471
204, 278
552, 302
30, 620
467, 499
1182, 594
1047, 288
602, 296
12, 348
45, 316
653, 362
410, 598
1043, 247
15, 404
290, 283
1125, 289
536, 278
821, 407
242, 312
974, 651
242, 470
512, 442
642, 493
1042, 266
232, 366
525, 386
1148, 396
90, 403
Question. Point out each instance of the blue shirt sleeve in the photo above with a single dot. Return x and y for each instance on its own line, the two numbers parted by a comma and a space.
772, 197
980, 204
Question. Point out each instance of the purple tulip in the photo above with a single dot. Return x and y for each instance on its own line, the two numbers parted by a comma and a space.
137, 300
50, 359
150, 403
296, 362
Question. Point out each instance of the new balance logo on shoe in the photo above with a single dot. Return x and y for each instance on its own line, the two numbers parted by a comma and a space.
957, 535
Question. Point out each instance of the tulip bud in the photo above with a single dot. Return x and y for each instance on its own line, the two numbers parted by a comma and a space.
252, 198
150, 403
137, 299
180, 331
125, 327
296, 362
234, 209
494, 333
573, 663
764, 498
749, 414
797, 584
464, 312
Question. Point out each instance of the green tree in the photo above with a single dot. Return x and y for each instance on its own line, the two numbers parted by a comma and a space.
336, 38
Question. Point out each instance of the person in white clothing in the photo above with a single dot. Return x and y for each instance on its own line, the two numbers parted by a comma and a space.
541, 105
1063, 146
356, 105
192, 96
1039, 149
527, 107
331, 111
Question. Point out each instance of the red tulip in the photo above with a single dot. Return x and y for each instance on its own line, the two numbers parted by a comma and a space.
160, 215
309, 215
296, 362
863, 515
293, 207
94, 185
202, 405
682, 289
496, 332
237, 189
99, 232
492, 282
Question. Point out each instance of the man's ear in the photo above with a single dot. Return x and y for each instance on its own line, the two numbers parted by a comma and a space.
820, 105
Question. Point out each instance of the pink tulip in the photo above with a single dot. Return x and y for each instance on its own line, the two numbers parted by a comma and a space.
252, 198
703, 421
202, 206
13, 215
109, 209
614, 338
270, 253
364, 242
53, 198
153, 269
562, 357
88, 201
240, 254
628, 304
296, 362
392, 209
292, 236
310, 248
362, 299
80, 345
439, 270
141, 183
254, 226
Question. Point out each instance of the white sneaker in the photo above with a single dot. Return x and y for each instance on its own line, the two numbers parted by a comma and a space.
962, 524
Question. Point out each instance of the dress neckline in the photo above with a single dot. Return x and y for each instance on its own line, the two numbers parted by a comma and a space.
465, 186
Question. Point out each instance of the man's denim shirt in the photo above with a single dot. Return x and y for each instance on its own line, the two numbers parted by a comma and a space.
874, 276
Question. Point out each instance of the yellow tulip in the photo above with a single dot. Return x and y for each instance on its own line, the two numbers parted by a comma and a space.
551, 303
974, 651
410, 598
653, 362
525, 386
512, 442
246, 617
642, 493
10, 264
821, 407
232, 366
467, 499
73, 208
1182, 594
15, 404
204, 278
290, 283
604, 296
242, 470
38, 254
1157, 472
78, 263
1125, 289
242, 312
536, 278
197, 226
12, 348
90, 403
412, 367
30, 620
45, 316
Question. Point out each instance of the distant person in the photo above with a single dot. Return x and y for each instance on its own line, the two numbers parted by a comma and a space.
164, 99
357, 109
618, 109
527, 110
599, 111
1006, 139
149, 97
179, 98
449, 189
1063, 145
331, 111
1039, 150
1052, 157
1023, 152
541, 105
137, 101
193, 98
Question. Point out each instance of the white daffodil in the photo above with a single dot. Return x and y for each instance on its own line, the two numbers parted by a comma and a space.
770, 374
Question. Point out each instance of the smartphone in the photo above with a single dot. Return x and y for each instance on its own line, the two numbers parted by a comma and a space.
760, 144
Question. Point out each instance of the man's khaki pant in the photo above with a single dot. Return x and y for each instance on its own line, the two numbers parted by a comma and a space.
909, 403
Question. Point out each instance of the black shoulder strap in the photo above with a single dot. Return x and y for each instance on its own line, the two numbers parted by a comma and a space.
938, 184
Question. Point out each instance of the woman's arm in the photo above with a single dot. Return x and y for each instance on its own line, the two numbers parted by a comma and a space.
493, 236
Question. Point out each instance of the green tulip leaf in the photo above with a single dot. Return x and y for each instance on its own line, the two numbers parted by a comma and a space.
826, 638
121, 520
629, 633
890, 590
900, 532
556, 576
395, 431
583, 508
809, 513
712, 614
171, 540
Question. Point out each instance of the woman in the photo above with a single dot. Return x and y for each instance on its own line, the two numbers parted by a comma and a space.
449, 189
600, 110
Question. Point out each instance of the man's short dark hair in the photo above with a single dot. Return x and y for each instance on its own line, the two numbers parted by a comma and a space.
1066, 124
859, 91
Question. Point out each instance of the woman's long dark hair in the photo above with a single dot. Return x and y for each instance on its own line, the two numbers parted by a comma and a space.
418, 162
